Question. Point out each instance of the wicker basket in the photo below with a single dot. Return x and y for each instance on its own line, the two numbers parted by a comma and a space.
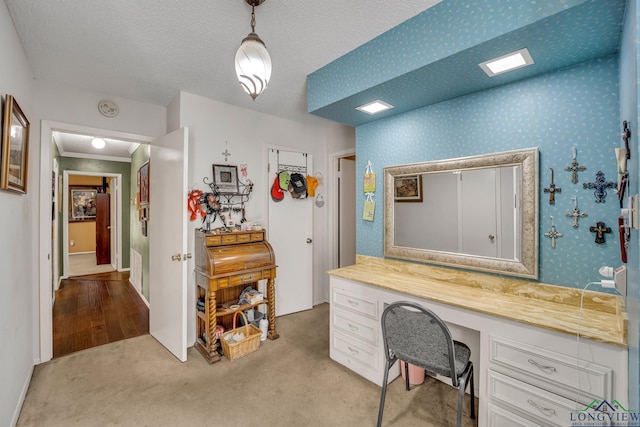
248, 345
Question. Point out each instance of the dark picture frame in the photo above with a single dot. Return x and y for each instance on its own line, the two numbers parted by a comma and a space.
143, 183
15, 148
408, 188
82, 203
225, 178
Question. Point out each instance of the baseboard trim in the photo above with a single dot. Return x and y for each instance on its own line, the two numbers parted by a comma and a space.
144, 300
23, 395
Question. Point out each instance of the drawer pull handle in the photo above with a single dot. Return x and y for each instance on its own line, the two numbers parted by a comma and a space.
546, 411
353, 350
545, 369
353, 303
354, 328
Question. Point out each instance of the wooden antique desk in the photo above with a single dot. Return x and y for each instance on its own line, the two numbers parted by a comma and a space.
225, 264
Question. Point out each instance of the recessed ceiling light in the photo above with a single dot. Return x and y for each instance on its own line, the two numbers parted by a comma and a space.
98, 143
508, 62
374, 107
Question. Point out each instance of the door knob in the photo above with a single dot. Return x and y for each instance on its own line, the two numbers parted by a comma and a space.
492, 237
177, 257
108, 227
309, 240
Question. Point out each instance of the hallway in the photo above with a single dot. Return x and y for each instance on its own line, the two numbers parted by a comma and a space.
94, 310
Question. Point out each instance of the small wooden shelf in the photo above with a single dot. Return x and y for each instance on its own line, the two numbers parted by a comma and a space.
225, 311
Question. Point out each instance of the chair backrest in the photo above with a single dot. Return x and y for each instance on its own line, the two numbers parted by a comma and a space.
418, 336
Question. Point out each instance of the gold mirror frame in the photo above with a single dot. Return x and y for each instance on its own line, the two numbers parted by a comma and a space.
527, 266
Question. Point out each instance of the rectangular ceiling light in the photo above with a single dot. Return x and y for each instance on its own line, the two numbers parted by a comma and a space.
508, 62
374, 107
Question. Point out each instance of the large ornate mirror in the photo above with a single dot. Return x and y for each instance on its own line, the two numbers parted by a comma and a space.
477, 212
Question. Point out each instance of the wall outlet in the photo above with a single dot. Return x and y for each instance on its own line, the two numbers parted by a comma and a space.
72, 242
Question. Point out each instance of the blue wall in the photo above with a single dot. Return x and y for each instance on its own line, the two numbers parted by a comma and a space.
575, 106
629, 54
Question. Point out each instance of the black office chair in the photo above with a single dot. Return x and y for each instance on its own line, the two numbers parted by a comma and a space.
416, 335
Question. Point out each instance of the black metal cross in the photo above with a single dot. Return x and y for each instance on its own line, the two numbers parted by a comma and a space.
599, 185
600, 230
552, 190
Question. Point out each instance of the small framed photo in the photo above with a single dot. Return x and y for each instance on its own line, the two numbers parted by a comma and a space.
82, 203
225, 178
408, 188
15, 147
143, 183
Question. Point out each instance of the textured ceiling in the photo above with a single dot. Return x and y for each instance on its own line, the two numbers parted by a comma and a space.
148, 50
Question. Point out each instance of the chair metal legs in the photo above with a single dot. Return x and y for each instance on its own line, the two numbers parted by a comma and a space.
465, 379
384, 391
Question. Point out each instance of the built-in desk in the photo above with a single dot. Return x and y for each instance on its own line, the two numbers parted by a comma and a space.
530, 365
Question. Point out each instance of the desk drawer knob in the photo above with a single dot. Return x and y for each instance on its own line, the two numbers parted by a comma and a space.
543, 368
353, 303
354, 328
546, 411
353, 351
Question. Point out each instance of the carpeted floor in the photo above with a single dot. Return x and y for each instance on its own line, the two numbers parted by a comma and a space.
290, 381
85, 263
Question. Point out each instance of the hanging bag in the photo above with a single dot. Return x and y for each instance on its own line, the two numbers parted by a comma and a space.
369, 179
369, 208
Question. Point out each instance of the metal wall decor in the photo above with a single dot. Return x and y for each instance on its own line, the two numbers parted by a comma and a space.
552, 190
600, 185
575, 167
600, 229
576, 214
626, 135
553, 233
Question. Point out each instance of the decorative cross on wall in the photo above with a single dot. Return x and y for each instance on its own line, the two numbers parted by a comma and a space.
226, 152
599, 185
575, 214
626, 135
553, 234
552, 190
600, 229
574, 168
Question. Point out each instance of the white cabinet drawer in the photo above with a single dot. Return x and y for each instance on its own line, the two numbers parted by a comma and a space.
498, 417
354, 353
544, 406
358, 326
356, 303
580, 379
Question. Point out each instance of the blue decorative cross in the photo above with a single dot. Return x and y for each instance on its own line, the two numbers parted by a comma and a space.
599, 185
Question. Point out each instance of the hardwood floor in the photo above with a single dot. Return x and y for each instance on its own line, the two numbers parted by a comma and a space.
96, 309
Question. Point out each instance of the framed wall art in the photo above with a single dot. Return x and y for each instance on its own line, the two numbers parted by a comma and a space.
408, 188
143, 183
82, 203
15, 147
225, 178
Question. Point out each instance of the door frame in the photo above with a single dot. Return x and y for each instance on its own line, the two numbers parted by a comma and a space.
116, 205
332, 181
45, 297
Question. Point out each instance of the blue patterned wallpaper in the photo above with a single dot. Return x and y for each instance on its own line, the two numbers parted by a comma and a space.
434, 56
575, 106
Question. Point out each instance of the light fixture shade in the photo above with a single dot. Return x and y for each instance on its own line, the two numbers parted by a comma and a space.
253, 65
98, 143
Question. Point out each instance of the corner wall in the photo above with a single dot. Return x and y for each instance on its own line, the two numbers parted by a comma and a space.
629, 99
19, 249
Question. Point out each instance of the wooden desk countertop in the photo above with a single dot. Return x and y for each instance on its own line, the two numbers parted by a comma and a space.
603, 316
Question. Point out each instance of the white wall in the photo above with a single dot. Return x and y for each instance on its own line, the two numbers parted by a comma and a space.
18, 248
212, 123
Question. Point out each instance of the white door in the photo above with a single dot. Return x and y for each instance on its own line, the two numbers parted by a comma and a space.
290, 232
478, 213
347, 212
168, 242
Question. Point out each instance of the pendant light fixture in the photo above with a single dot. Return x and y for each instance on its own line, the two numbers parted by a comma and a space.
253, 63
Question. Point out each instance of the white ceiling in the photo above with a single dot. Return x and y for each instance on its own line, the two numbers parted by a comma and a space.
148, 50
